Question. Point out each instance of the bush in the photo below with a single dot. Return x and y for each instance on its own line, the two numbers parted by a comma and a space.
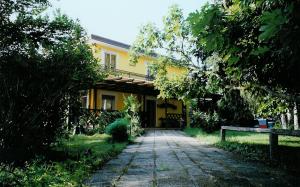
106, 117
118, 130
196, 119
97, 122
135, 126
70, 170
131, 113
40, 76
234, 109
209, 122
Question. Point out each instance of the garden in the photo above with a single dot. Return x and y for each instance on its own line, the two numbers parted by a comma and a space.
241, 62
71, 160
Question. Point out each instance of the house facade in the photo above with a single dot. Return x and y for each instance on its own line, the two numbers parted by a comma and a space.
132, 79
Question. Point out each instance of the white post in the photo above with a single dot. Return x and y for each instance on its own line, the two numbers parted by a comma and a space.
283, 121
296, 121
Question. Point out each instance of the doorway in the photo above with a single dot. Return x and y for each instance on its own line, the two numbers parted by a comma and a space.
151, 113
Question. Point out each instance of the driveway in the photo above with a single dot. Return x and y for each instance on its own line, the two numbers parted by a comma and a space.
170, 158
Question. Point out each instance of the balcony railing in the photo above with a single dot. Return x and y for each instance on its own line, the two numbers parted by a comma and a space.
128, 74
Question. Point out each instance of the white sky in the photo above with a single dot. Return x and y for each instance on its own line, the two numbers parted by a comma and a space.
120, 19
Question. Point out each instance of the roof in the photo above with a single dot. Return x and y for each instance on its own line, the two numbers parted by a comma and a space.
111, 42
128, 85
116, 43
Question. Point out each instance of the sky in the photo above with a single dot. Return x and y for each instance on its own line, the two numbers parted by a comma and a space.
120, 20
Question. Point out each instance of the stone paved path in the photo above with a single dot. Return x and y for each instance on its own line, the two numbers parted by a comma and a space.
169, 158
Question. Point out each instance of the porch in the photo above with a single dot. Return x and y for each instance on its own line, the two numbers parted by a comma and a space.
154, 113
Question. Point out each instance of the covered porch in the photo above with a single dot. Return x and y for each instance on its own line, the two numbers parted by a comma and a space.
109, 95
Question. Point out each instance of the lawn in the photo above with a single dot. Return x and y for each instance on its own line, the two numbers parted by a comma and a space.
69, 163
241, 137
252, 146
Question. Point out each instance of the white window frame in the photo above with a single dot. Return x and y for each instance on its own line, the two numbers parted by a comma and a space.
87, 98
111, 53
103, 103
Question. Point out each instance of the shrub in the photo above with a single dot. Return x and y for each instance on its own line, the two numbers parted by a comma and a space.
97, 122
118, 130
131, 112
135, 126
209, 122
107, 117
196, 119
234, 109
40, 76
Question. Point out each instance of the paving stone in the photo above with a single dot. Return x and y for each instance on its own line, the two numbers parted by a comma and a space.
103, 177
169, 158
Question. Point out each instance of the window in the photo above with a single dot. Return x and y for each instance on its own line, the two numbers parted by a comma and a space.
110, 61
84, 99
108, 102
149, 75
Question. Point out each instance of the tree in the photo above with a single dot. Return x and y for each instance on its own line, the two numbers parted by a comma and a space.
44, 63
176, 44
257, 42
226, 45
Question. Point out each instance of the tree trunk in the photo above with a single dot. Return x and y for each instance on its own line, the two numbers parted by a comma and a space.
296, 121
289, 117
283, 121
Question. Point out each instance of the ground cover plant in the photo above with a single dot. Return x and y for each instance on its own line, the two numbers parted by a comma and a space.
67, 164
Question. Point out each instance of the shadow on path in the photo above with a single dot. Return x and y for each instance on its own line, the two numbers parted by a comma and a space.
170, 158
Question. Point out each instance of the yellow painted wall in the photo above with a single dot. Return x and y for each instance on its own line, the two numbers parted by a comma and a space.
140, 68
161, 112
123, 60
119, 103
119, 98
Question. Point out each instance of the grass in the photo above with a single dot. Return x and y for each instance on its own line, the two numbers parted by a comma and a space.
241, 137
69, 163
252, 146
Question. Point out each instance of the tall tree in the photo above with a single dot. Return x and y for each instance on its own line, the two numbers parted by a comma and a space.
256, 40
43, 64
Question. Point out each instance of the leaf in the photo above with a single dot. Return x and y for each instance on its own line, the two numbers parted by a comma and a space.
233, 60
271, 23
260, 51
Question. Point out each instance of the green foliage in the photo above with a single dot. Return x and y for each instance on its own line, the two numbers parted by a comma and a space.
118, 130
209, 24
272, 21
131, 104
131, 108
207, 121
256, 42
44, 64
95, 122
265, 105
67, 172
234, 109
174, 41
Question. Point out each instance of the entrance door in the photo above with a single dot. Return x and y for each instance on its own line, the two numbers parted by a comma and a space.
151, 113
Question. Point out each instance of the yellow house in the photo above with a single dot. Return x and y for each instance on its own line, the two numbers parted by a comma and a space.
134, 79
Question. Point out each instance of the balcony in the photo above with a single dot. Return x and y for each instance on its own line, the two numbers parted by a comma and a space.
131, 75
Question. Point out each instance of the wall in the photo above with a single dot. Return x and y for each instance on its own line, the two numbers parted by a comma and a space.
119, 103
140, 68
123, 60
